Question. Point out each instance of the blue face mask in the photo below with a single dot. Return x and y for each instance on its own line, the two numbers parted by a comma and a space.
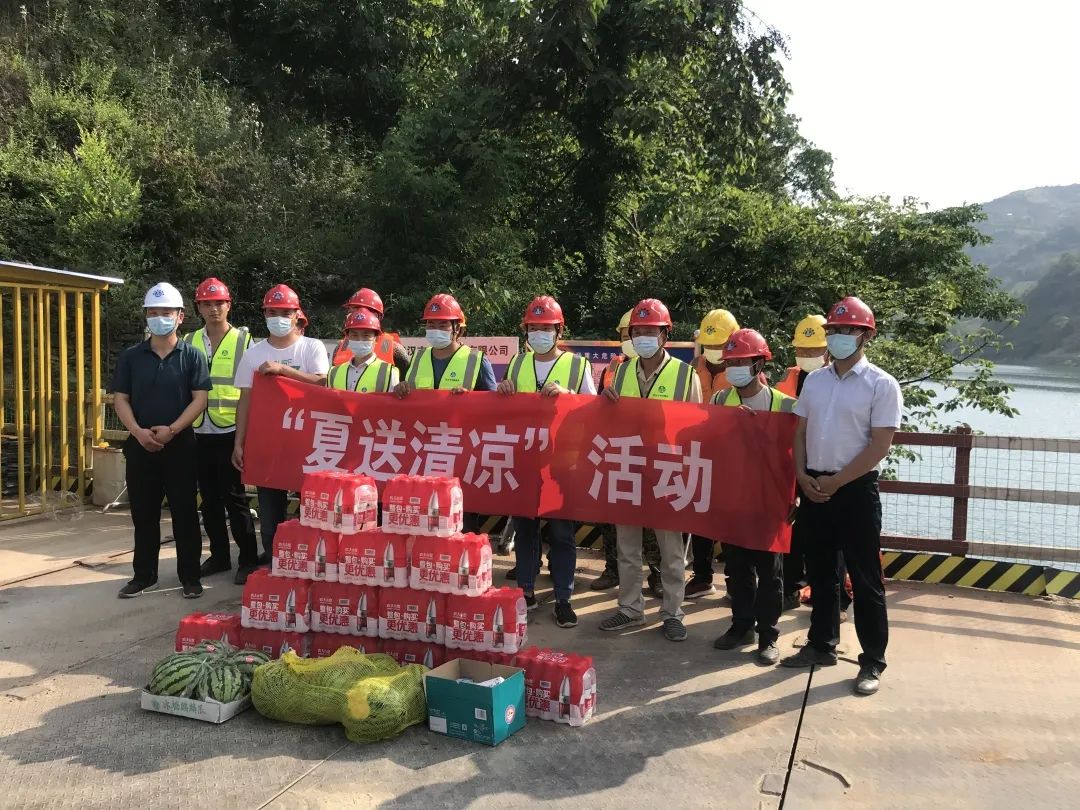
361, 348
739, 376
161, 325
542, 342
646, 345
842, 346
278, 326
438, 338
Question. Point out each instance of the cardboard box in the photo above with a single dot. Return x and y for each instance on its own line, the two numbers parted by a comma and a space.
482, 714
210, 711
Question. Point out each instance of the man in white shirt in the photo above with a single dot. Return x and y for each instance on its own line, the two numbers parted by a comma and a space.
848, 413
287, 353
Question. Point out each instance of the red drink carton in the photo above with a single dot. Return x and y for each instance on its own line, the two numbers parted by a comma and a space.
208, 627
356, 504
274, 643
275, 603
443, 506
304, 552
317, 500
558, 686
495, 621
471, 556
430, 563
323, 645
401, 505
410, 615
415, 652
374, 557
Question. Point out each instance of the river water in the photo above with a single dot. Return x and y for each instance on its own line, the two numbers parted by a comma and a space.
1048, 400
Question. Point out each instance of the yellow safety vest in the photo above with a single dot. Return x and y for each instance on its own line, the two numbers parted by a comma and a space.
224, 395
674, 382
781, 403
462, 371
569, 371
377, 378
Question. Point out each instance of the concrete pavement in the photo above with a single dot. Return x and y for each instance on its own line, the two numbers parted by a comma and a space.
980, 708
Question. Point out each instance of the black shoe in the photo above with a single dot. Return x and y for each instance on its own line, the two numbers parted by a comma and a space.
564, 615
512, 573
192, 590
656, 588
134, 588
792, 601
809, 657
734, 637
212, 566
767, 653
608, 579
868, 681
243, 572
530, 602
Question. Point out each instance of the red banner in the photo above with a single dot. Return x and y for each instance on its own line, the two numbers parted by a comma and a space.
721, 473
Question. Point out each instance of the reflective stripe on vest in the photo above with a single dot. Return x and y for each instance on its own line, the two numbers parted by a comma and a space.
779, 402
374, 379
462, 371
672, 383
223, 395
569, 373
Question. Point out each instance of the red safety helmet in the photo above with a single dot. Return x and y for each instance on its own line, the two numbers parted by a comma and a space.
281, 296
650, 312
212, 289
543, 310
443, 307
366, 298
851, 311
746, 343
362, 319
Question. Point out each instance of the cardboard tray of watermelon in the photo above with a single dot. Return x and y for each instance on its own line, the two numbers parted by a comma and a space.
209, 710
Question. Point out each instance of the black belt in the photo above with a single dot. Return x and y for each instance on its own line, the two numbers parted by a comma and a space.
870, 476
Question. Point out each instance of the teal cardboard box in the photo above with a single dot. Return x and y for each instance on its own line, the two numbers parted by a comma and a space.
483, 714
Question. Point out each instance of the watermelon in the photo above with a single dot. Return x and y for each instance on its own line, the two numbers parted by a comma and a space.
247, 660
174, 675
208, 647
221, 681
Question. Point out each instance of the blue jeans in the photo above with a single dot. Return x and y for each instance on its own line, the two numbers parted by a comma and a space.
563, 554
273, 508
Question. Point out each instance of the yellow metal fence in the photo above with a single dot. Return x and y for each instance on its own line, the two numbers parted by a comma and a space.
50, 386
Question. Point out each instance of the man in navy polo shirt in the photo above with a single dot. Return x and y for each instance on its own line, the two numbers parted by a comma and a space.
161, 387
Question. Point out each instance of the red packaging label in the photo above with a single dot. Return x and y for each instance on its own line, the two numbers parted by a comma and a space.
496, 621
415, 504
208, 627
412, 615
323, 645
558, 686
273, 642
415, 652
275, 603
317, 500
374, 557
356, 504
338, 607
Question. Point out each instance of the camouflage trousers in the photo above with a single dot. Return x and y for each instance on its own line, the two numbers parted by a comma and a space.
650, 550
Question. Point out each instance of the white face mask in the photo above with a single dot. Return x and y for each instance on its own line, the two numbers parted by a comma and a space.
361, 348
842, 346
161, 325
628, 349
647, 345
279, 326
542, 342
437, 338
740, 376
714, 356
809, 364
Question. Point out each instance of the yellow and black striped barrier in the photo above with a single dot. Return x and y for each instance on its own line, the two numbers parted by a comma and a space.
968, 572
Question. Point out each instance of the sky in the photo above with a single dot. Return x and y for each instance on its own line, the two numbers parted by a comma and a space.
950, 101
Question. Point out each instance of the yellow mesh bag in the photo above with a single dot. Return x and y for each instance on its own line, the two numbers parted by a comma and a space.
370, 695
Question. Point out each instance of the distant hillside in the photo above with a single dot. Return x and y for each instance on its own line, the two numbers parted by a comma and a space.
1031, 229
1050, 328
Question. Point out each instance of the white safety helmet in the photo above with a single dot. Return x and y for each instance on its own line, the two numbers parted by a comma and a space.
163, 294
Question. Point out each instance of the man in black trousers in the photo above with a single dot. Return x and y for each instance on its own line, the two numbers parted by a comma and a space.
160, 388
848, 413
